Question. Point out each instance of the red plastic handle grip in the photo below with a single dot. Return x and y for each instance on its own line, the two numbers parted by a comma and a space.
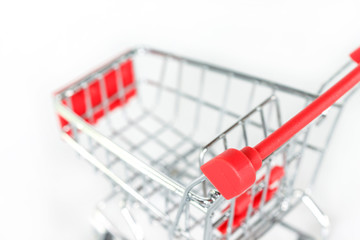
234, 171
308, 114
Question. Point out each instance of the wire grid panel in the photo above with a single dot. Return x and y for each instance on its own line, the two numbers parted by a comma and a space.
165, 115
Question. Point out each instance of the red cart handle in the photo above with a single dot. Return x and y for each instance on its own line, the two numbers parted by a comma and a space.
356, 55
233, 171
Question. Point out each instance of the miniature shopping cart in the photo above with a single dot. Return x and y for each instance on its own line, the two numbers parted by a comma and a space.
174, 136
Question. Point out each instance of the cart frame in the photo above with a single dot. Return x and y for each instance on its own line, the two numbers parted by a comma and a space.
199, 193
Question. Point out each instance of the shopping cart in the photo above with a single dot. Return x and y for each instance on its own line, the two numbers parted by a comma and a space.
167, 132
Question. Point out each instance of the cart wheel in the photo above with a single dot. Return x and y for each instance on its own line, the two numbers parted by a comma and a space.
108, 236
301, 237
100, 231
104, 236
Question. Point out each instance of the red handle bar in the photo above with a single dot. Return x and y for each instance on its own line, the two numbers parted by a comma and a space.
233, 171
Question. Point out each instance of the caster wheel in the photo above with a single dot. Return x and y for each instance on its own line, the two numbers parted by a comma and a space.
108, 236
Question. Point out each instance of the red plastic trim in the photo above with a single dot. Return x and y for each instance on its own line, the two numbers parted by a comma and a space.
243, 201
95, 93
78, 103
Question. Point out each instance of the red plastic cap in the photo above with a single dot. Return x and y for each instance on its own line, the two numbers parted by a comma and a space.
356, 55
232, 172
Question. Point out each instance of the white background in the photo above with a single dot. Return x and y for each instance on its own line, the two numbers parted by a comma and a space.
47, 193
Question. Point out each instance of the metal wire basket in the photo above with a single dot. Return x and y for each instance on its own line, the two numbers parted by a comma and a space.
153, 123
